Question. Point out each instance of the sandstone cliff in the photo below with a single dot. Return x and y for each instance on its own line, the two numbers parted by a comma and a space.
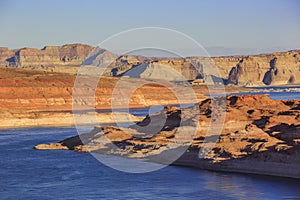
66, 55
171, 70
265, 69
7, 56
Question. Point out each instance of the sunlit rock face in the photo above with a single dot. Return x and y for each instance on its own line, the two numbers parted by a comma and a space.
267, 69
255, 70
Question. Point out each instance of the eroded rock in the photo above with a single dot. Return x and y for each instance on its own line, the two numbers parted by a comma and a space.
257, 129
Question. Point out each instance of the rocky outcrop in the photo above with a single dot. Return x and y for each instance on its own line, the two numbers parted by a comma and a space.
167, 69
7, 56
226, 63
49, 56
175, 69
70, 55
259, 135
267, 69
162, 71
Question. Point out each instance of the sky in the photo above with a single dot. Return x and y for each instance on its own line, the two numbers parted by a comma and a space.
221, 26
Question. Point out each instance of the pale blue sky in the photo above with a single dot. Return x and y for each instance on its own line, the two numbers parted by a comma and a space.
248, 24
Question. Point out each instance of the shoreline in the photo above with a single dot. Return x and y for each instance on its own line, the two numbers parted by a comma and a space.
63, 119
259, 136
60, 121
251, 166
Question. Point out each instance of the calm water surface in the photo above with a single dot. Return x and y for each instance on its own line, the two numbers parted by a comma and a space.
29, 174
278, 92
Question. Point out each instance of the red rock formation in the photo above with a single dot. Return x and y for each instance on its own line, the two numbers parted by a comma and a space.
260, 135
25, 93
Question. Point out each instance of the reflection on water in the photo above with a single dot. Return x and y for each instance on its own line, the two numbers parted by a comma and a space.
222, 182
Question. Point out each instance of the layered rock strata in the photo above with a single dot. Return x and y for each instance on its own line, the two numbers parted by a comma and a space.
279, 68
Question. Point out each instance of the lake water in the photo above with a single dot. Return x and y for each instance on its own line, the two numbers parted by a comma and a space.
29, 174
278, 92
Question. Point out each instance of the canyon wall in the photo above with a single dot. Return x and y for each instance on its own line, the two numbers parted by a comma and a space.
66, 55
258, 70
255, 70
267, 69
6, 56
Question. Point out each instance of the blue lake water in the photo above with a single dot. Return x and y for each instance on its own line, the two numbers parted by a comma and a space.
278, 92
29, 174
278, 95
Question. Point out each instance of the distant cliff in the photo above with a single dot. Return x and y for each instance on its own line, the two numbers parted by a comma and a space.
268, 69
264, 69
70, 54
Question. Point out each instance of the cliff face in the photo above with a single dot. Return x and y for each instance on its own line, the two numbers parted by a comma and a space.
6, 56
225, 64
71, 54
265, 69
269, 69
52, 55
171, 70
30, 90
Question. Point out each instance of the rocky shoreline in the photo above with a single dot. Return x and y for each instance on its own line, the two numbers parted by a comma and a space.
245, 166
59, 119
259, 136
